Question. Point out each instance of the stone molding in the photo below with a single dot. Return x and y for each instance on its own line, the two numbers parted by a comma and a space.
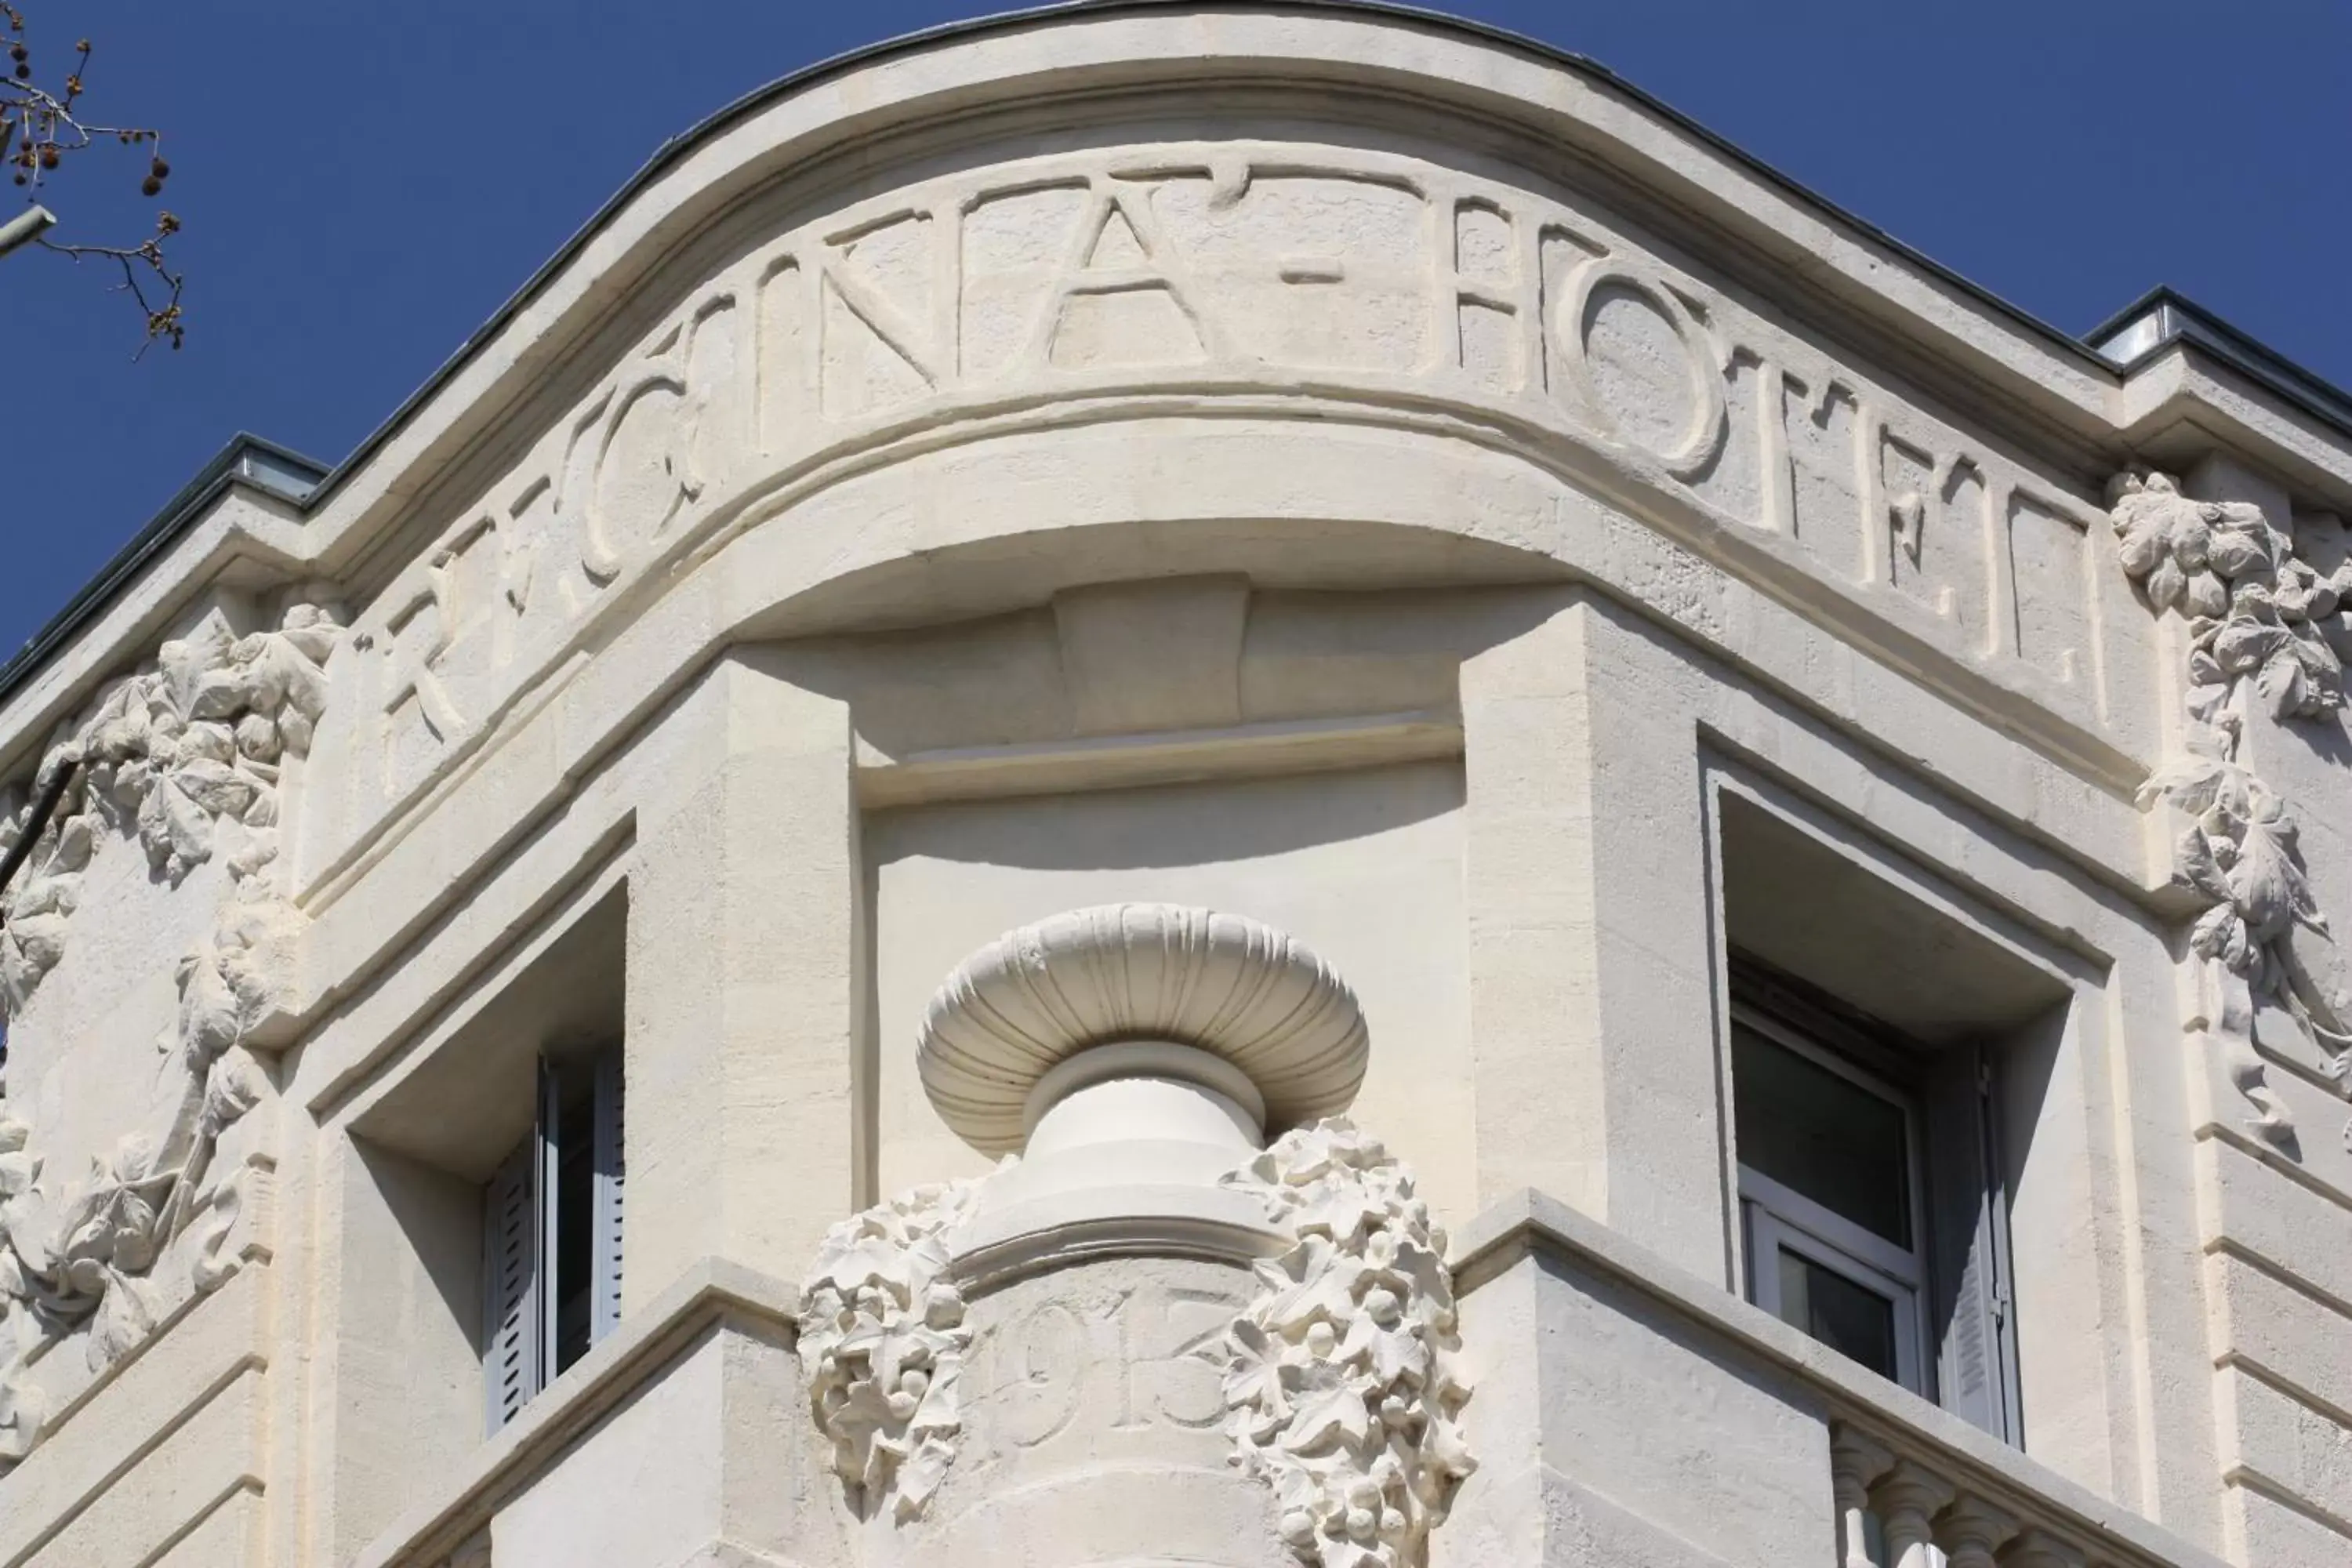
882, 1341
1341, 1385
2267, 635
1015, 1011
186, 758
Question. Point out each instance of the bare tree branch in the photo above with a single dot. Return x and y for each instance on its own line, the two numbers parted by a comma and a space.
40, 130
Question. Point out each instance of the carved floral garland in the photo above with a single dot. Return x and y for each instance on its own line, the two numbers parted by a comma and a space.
1340, 1385
186, 758
882, 1339
2263, 625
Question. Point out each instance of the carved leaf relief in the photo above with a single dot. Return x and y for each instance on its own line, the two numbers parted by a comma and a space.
1340, 1385
186, 759
2263, 625
882, 1343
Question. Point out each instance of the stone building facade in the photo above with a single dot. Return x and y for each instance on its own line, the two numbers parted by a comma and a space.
1227, 784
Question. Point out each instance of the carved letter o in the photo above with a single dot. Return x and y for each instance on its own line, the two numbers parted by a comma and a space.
1663, 352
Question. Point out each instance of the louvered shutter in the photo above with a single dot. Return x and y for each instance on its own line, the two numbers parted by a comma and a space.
611, 1171
549, 1164
1968, 1252
511, 1309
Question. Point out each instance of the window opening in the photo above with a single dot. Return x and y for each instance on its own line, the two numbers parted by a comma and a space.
1870, 1202
551, 1228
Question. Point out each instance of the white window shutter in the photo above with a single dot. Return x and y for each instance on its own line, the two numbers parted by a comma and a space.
612, 1170
1967, 1235
511, 1307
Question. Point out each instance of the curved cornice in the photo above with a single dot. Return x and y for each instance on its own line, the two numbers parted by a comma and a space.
676, 147
1987, 362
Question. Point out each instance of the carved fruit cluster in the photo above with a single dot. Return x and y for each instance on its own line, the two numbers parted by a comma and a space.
882, 1340
2239, 851
2258, 613
2264, 627
84, 1255
1340, 1387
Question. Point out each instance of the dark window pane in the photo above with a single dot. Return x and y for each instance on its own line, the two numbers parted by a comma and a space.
1821, 1134
575, 1197
1855, 1322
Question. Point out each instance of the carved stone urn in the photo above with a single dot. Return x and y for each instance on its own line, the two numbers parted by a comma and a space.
1134, 1054
1152, 1338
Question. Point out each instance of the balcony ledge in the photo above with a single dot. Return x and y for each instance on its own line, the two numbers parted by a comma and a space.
1529, 1224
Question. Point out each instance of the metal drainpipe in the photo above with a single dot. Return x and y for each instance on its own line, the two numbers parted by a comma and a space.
45, 806
37, 822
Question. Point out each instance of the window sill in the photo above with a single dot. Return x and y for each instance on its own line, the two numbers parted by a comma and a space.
713, 1290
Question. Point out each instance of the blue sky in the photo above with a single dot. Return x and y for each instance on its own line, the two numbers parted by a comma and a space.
363, 184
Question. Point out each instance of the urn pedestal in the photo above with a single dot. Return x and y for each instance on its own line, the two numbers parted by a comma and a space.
1094, 1425
1148, 1339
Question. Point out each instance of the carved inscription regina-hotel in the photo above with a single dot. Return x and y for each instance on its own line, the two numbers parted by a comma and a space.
1063, 290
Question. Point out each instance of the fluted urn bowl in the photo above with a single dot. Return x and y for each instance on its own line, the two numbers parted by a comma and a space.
1266, 1022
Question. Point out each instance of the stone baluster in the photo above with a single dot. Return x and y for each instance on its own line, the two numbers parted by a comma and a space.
1856, 1462
2037, 1548
1906, 1498
1971, 1530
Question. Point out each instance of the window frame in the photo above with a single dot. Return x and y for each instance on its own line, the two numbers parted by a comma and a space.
1774, 1216
1958, 1272
2007, 1275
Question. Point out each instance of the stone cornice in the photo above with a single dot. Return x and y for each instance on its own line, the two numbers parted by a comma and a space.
2009, 370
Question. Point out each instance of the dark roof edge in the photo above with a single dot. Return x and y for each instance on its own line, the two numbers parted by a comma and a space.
675, 147
2164, 317
245, 460
2270, 369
